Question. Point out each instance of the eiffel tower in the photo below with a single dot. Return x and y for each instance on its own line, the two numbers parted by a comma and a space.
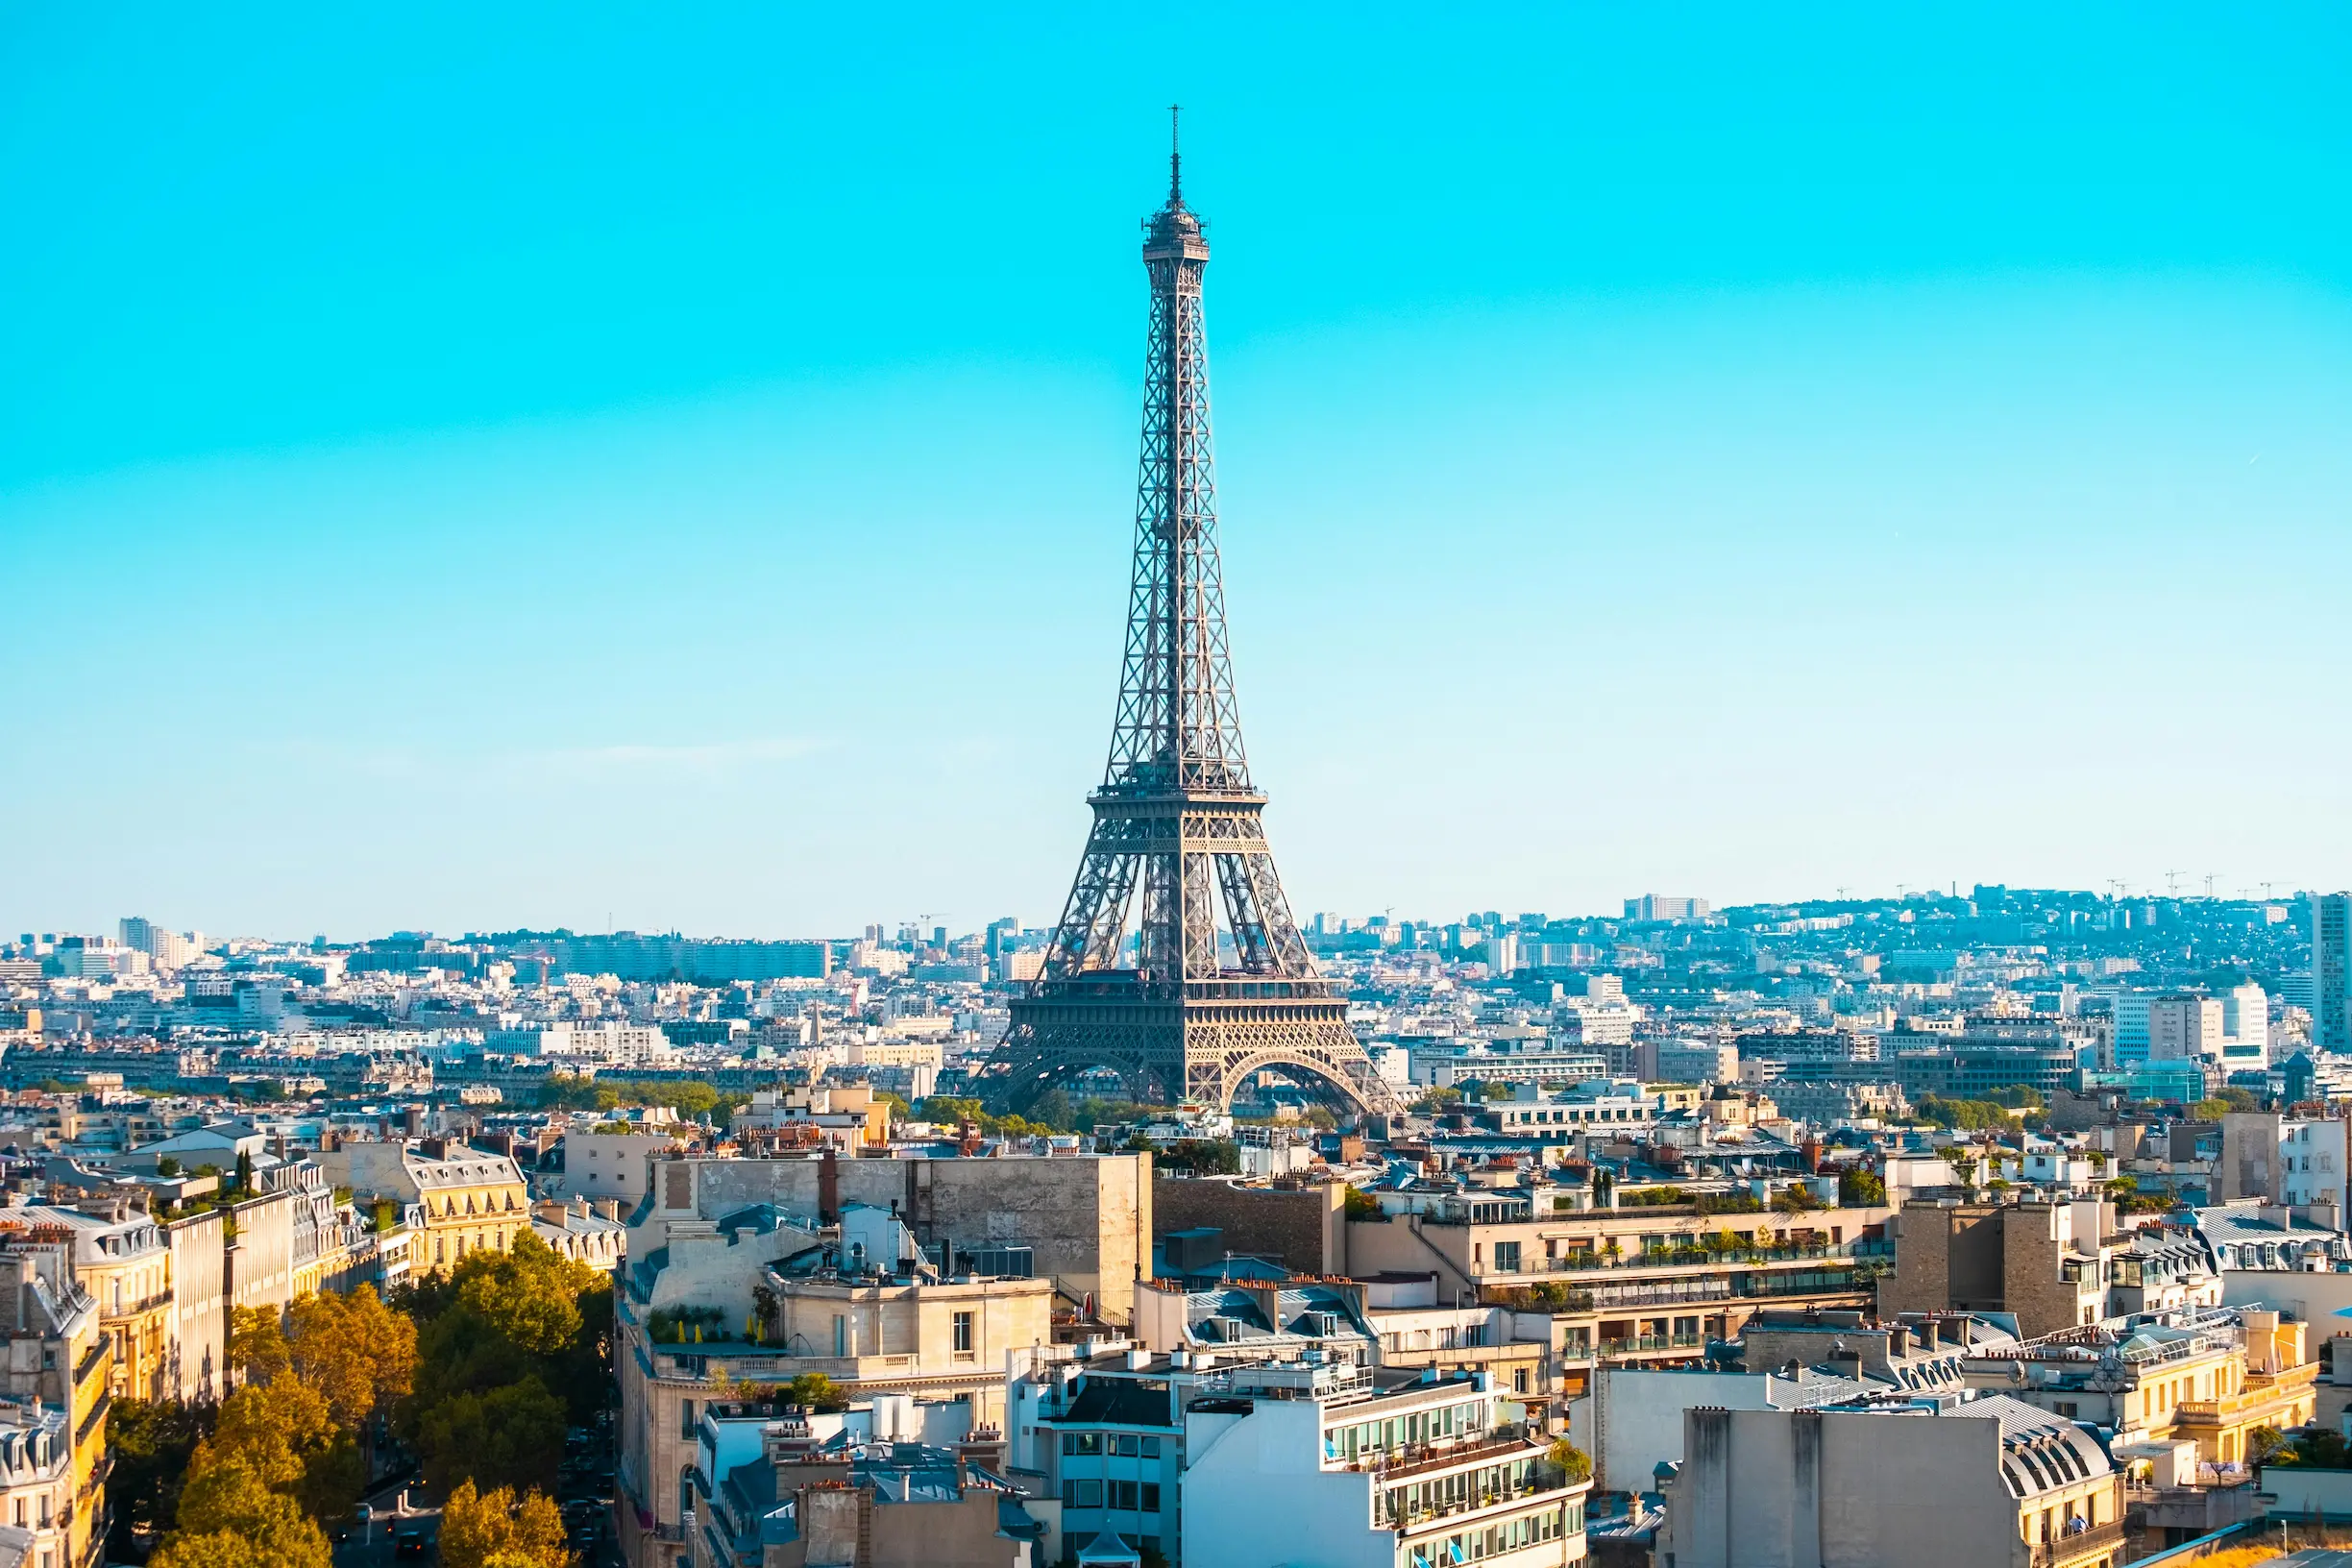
1184, 1009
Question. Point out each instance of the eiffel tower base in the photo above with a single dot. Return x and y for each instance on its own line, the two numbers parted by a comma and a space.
1196, 1052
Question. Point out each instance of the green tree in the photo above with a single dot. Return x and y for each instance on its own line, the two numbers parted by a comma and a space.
1570, 1460
510, 1436
1796, 1198
152, 1442
1203, 1157
530, 1293
1859, 1188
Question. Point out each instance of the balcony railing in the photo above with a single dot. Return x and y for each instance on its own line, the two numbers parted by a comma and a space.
1584, 1260
2086, 1543
1636, 1343
1546, 1479
1419, 1458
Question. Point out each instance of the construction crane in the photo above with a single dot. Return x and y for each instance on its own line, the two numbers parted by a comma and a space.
2172, 884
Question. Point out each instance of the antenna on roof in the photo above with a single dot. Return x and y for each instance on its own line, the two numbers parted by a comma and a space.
1175, 157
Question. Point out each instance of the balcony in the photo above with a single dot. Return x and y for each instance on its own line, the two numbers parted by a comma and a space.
2089, 1543
1546, 1479
1420, 1458
1640, 1343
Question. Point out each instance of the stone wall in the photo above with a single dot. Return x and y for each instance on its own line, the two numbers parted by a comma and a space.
1086, 1220
1301, 1228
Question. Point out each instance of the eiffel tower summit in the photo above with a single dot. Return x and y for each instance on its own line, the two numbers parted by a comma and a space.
1176, 962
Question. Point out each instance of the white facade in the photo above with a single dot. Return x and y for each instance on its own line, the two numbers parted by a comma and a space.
2311, 1168
1308, 1466
2246, 1027
605, 1165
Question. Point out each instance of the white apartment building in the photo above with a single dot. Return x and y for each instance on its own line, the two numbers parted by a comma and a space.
2281, 1160
596, 1165
1322, 1462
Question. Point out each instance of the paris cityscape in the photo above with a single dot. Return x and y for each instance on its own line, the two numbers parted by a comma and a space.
406, 608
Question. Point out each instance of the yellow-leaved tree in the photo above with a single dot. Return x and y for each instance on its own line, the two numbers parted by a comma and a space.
495, 1530
357, 1352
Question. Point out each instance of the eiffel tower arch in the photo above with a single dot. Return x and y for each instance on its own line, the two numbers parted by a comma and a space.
1176, 962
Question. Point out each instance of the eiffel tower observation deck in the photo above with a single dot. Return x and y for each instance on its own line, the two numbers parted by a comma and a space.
1176, 962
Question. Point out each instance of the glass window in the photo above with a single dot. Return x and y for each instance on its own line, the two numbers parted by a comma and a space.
1151, 1497
1151, 1448
962, 1333
1124, 1445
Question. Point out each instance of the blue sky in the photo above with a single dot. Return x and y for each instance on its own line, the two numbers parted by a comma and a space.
584, 466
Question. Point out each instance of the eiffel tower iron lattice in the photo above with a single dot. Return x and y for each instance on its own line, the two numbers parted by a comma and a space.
1182, 1007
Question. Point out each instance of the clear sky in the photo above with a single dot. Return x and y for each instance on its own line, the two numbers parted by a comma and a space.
476, 465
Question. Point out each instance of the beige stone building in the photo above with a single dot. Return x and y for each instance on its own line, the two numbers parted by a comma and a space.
1626, 1286
757, 1298
455, 1200
2213, 1381
1987, 1482
121, 1258
1085, 1219
58, 1354
37, 1485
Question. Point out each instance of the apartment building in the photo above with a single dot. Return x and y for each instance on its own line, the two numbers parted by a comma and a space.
37, 1485
760, 1297
1651, 1282
1333, 1463
2289, 1160
1632, 1420
1104, 1436
121, 1258
1896, 1483
597, 1165
1085, 1221
798, 1503
2210, 1377
456, 1200
59, 1356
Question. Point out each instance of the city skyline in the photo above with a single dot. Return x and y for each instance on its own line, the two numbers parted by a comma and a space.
556, 513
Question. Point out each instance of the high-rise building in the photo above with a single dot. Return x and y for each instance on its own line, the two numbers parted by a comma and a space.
1656, 906
2332, 971
2245, 1026
2183, 1028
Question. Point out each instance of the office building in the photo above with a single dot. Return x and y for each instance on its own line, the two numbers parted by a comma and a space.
2331, 977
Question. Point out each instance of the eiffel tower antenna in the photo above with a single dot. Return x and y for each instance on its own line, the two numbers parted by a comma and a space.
1175, 157
1176, 962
